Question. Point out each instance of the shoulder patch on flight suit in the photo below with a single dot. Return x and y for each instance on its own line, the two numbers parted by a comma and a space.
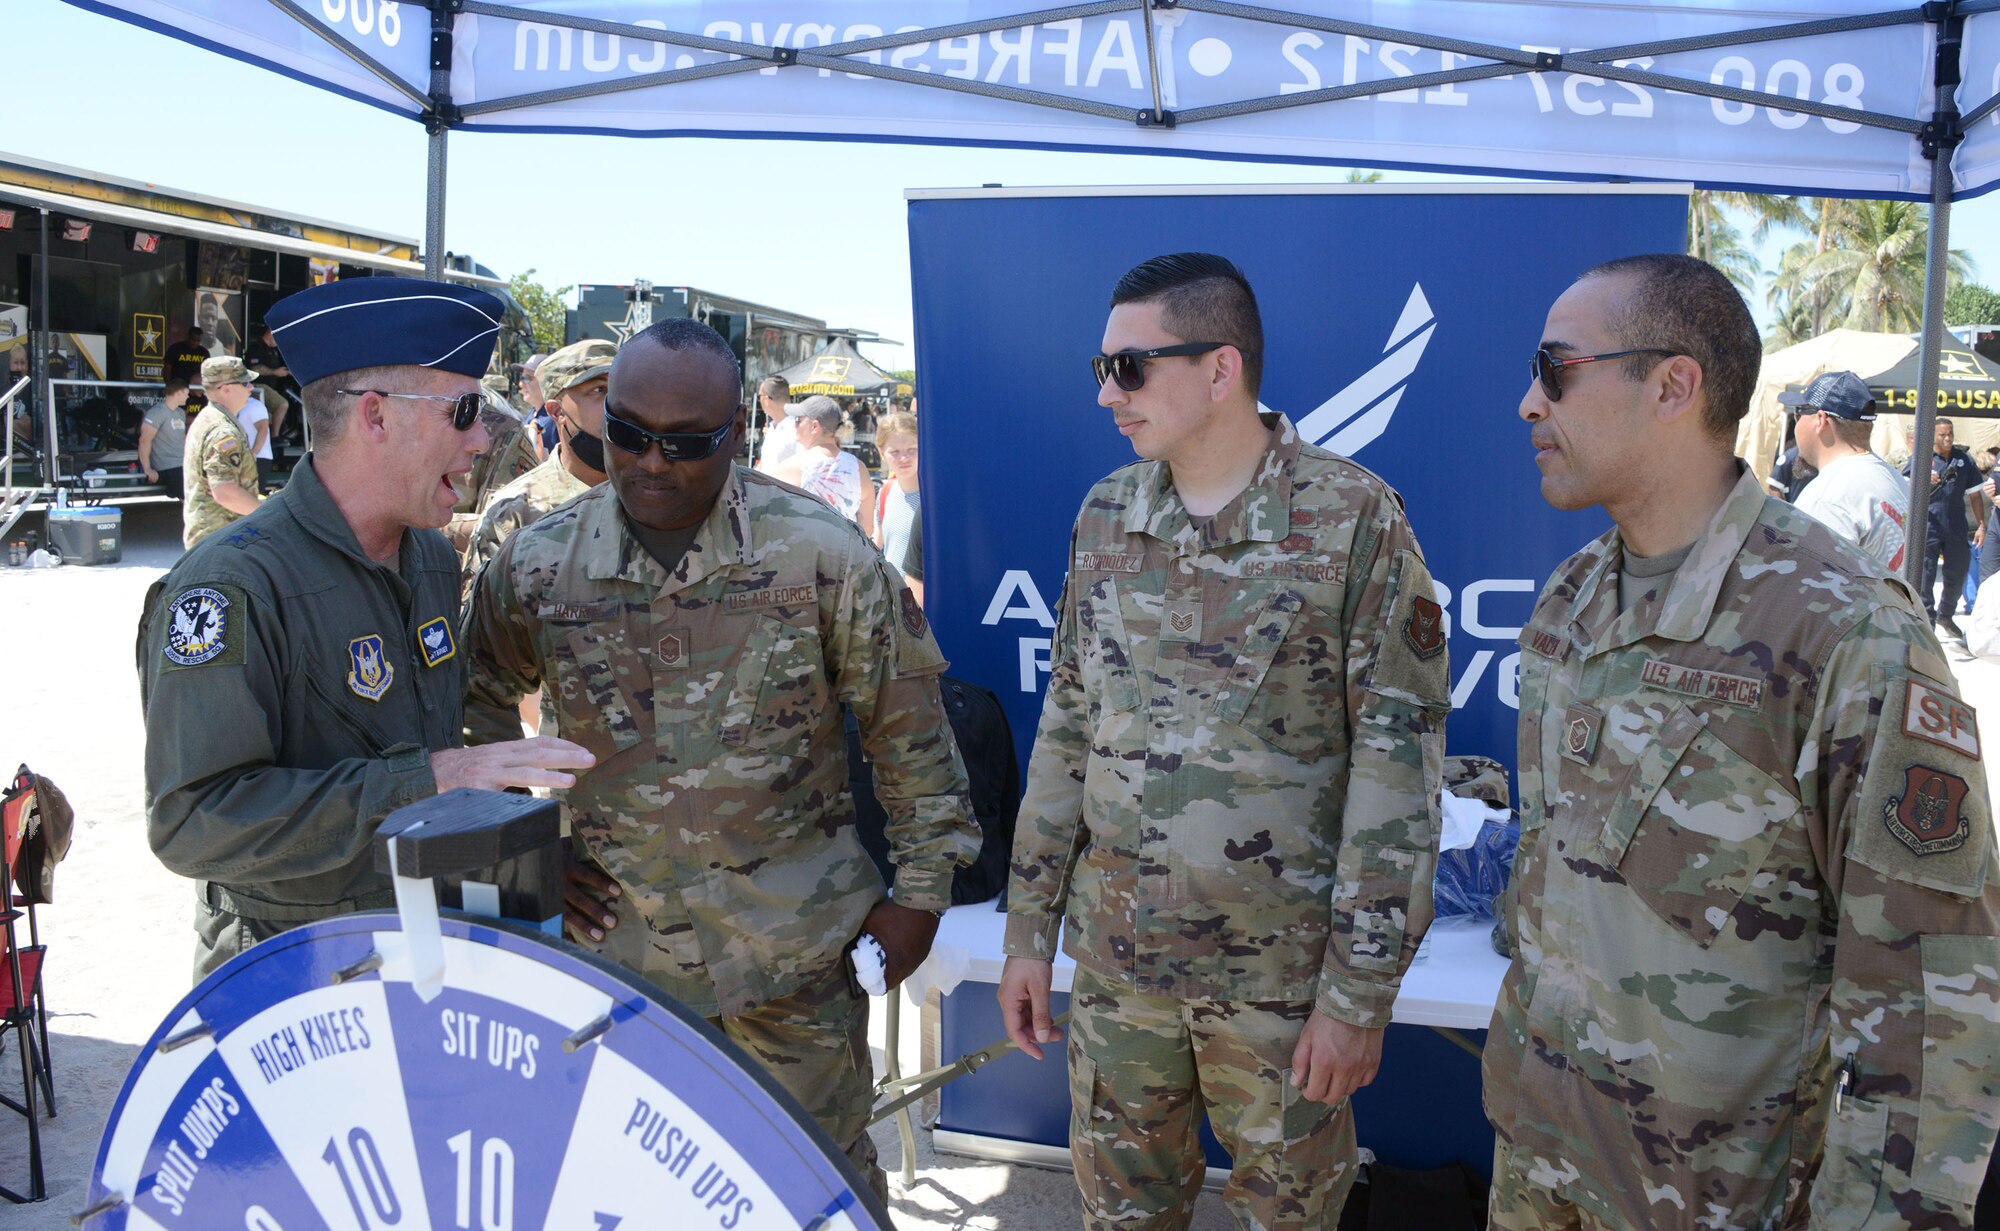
204, 624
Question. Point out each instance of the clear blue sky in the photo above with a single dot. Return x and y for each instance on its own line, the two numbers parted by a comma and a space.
753, 219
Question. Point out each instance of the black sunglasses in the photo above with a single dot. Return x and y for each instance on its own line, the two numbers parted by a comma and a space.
1128, 367
465, 407
1548, 369
674, 446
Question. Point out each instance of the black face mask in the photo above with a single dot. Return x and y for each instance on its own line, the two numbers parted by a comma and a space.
589, 449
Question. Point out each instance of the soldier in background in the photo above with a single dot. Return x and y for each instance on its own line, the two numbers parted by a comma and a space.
298, 671
511, 454
1758, 900
698, 627
218, 468
1234, 790
575, 378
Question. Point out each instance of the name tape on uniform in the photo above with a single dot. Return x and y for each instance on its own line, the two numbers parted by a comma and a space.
771, 596
1107, 562
1702, 684
1935, 715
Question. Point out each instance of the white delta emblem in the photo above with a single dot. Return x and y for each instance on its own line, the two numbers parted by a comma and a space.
372, 672
434, 637
200, 616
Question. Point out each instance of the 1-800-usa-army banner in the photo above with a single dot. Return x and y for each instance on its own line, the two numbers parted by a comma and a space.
1399, 322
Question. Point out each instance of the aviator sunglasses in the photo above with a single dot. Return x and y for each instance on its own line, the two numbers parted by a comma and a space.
465, 407
1128, 367
1548, 369
674, 446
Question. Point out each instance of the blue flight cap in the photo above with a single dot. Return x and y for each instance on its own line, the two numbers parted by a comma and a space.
385, 322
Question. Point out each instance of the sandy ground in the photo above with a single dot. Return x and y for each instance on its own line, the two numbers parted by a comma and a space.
119, 929
119, 935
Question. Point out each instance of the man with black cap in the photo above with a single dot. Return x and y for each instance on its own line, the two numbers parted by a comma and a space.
1857, 495
300, 672
573, 379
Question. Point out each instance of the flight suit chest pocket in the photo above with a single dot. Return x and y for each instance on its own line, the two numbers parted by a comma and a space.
1695, 827
780, 689
604, 686
1104, 649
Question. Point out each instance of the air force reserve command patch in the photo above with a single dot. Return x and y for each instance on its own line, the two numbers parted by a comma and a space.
372, 673
1929, 816
202, 626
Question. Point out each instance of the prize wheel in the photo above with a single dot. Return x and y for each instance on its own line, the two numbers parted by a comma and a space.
306, 1086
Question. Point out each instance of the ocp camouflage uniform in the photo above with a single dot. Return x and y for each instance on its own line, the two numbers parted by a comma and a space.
1233, 796
217, 451
711, 699
509, 457
523, 502
1755, 847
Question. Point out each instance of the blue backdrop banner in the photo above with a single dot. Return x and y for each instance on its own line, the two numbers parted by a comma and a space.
1398, 321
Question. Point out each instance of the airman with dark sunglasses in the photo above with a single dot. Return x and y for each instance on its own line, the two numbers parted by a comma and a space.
1232, 806
1755, 901
699, 626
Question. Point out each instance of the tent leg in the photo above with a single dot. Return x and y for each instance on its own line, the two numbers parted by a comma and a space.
434, 185
1918, 526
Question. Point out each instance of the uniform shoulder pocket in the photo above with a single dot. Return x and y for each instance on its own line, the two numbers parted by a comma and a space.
1410, 660
1925, 789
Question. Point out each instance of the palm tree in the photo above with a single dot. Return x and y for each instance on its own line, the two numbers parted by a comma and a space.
1715, 238
1872, 264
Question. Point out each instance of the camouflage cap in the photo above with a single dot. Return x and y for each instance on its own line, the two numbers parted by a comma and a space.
225, 370
575, 364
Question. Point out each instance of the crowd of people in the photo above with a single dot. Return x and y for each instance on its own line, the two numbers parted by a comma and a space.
1755, 907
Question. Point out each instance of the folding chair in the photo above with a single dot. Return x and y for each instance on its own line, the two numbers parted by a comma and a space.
22, 1008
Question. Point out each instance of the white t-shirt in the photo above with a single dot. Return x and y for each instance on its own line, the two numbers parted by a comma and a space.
1861, 498
249, 417
836, 480
781, 440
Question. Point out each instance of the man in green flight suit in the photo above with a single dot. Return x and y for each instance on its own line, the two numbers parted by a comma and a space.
299, 671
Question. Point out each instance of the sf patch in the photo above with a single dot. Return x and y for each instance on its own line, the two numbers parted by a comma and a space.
202, 626
434, 639
1425, 631
1929, 816
370, 672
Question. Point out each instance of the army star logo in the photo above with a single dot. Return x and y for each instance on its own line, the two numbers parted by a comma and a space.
1929, 818
434, 639
195, 634
1425, 631
372, 673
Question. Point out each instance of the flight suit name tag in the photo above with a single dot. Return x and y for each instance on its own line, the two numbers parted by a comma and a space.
1739, 690
434, 640
738, 601
1937, 717
1579, 733
1107, 562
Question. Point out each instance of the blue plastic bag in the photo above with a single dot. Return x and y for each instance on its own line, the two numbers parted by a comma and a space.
1470, 881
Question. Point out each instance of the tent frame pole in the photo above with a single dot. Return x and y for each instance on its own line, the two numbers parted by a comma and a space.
1940, 138
439, 116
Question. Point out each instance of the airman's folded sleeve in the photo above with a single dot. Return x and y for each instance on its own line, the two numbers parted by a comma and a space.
1398, 695
217, 806
1049, 834
1898, 771
886, 666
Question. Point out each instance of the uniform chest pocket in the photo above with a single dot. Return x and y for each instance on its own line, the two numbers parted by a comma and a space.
1289, 681
1104, 649
1696, 827
779, 692
604, 687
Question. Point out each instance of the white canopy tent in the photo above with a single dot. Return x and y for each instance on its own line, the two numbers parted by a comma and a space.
1830, 97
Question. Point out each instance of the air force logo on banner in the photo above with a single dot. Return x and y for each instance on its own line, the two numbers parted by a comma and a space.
1350, 420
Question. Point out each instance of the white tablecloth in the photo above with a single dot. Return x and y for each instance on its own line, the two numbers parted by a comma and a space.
1453, 982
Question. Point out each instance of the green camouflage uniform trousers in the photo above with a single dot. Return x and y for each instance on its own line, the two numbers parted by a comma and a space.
1756, 853
523, 502
1233, 797
216, 451
711, 698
